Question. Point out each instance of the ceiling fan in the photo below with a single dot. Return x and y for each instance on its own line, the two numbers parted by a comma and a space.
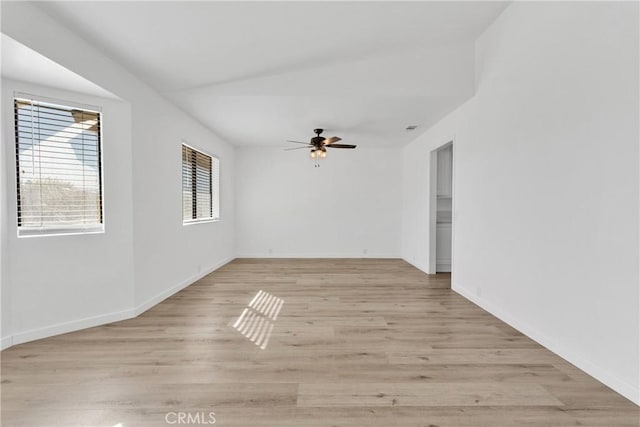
319, 145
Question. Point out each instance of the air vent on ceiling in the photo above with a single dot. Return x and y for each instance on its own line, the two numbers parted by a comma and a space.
411, 127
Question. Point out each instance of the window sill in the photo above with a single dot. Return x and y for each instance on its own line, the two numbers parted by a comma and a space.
52, 232
200, 221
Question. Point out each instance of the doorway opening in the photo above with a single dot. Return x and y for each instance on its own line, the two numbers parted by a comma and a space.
441, 209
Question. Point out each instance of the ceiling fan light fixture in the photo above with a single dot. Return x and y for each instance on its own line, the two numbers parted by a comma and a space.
319, 145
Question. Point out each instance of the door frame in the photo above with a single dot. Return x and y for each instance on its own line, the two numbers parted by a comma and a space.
433, 202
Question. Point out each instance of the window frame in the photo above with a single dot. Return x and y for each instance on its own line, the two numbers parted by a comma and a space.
53, 230
214, 192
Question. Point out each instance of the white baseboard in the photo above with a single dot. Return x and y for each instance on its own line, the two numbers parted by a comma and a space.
65, 327
89, 322
422, 267
6, 342
599, 373
443, 266
318, 255
157, 299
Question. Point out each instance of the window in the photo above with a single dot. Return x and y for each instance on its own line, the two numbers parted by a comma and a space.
58, 168
200, 196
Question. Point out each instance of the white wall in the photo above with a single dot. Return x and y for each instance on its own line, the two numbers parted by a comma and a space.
163, 255
168, 254
5, 292
546, 183
288, 208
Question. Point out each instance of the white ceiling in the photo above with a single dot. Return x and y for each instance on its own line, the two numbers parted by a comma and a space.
259, 73
24, 64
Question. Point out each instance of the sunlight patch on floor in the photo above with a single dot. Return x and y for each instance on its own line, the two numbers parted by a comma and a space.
257, 319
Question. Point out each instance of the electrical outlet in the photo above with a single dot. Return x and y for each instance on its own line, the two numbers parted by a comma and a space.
479, 292
270, 251
364, 251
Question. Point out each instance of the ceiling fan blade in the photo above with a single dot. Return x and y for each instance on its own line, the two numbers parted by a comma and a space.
295, 148
341, 146
331, 140
300, 142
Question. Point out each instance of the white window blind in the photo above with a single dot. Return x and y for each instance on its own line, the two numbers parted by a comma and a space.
58, 168
200, 175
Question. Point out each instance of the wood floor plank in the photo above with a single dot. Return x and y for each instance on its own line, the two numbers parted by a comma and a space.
359, 342
405, 394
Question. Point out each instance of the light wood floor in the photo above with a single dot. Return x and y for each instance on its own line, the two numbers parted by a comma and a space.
325, 343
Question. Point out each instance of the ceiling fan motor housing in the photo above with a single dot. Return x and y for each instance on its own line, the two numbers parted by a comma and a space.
317, 140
